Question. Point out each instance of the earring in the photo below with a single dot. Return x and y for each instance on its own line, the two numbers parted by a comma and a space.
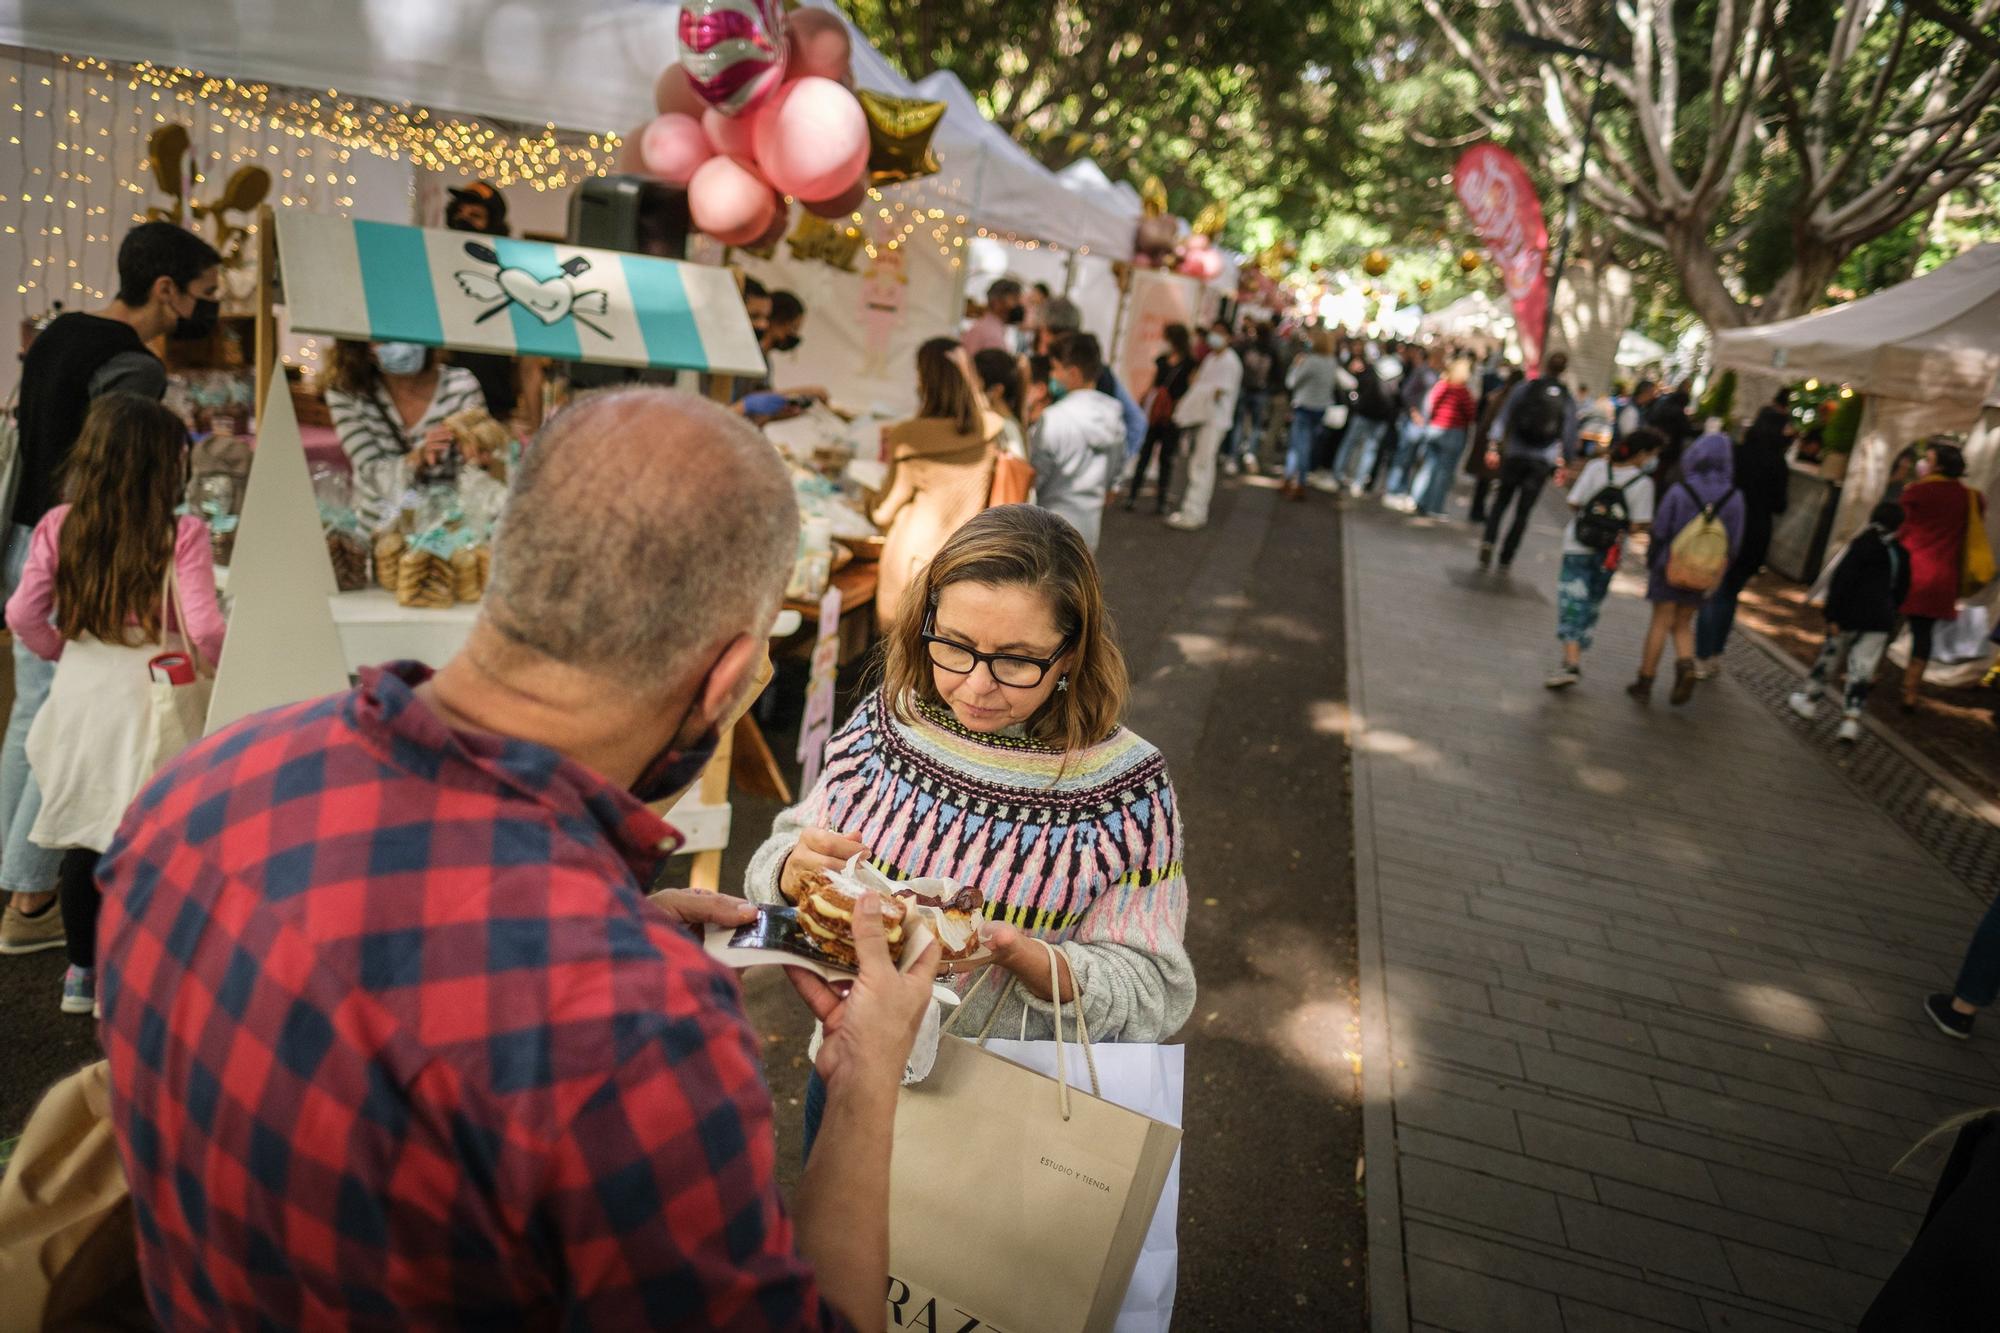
1062, 683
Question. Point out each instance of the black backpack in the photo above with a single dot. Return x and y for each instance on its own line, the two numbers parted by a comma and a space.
1537, 420
1604, 519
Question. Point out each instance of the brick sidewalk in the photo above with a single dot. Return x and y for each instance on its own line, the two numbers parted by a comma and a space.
1640, 986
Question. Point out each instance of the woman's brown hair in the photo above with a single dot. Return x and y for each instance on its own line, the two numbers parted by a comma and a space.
944, 388
1020, 546
124, 479
351, 367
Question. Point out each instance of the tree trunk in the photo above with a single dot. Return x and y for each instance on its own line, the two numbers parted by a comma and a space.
1803, 285
1701, 277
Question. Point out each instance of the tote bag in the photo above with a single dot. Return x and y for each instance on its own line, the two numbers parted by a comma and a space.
178, 713
1013, 480
1016, 1201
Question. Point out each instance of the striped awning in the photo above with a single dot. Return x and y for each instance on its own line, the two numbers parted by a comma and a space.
385, 283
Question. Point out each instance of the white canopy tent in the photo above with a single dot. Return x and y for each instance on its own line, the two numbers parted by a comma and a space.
1926, 356
1925, 353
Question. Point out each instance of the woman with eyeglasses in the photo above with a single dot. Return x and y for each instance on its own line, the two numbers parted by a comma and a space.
993, 754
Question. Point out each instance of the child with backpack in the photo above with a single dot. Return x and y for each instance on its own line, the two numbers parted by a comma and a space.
1696, 530
1612, 500
1866, 588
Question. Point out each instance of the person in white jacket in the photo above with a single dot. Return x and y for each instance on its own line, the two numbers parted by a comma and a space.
1207, 409
1080, 438
1079, 441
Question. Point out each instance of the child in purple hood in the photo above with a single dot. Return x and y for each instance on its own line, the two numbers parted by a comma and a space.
1707, 478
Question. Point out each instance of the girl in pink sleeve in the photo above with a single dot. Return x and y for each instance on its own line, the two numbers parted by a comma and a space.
95, 599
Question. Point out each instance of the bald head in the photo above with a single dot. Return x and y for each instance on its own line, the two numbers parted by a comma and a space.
644, 531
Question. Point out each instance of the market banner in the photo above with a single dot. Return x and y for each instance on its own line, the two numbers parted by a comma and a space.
1507, 215
384, 283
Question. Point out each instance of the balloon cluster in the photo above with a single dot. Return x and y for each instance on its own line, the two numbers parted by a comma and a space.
760, 106
1199, 259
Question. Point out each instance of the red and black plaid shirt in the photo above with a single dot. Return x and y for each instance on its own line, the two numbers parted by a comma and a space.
396, 1041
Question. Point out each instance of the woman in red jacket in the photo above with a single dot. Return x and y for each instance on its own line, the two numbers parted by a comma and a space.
1937, 511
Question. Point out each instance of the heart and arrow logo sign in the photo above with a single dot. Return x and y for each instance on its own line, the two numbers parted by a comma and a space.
551, 300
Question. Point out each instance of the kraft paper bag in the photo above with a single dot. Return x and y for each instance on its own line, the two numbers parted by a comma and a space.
68, 1256
1018, 1203
1147, 1079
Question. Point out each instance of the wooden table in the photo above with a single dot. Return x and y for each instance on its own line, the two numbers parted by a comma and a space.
857, 584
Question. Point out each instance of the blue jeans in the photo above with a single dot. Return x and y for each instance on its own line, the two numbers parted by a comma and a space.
1363, 442
1715, 620
1248, 431
1299, 445
1442, 448
1979, 978
24, 867
1409, 437
815, 1110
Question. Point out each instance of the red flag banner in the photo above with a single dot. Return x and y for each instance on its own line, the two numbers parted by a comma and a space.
1507, 214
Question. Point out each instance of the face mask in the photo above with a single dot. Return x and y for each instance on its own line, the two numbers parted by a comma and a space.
674, 771
1014, 316
786, 343
399, 358
1923, 467
201, 323
1056, 390
1217, 342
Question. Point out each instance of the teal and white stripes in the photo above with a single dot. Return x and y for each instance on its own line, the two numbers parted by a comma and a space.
376, 281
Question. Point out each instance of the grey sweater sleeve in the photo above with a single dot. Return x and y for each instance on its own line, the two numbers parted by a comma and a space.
131, 372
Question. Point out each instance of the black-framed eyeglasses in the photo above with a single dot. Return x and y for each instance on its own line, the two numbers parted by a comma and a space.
1009, 669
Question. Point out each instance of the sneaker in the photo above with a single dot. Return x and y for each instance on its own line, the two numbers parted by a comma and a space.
1563, 677
1323, 481
1182, 523
1803, 704
79, 990
1486, 555
1850, 730
21, 933
1402, 504
1949, 1021
1230, 467
1250, 465
1707, 668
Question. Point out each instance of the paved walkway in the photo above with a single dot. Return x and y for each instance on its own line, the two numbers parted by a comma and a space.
1640, 986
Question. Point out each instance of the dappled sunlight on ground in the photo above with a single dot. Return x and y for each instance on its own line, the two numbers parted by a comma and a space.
1778, 1009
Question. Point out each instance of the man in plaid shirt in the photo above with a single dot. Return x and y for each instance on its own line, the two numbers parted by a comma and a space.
397, 1039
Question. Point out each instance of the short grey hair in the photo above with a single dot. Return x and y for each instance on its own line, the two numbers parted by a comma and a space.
1060, 315
644, 529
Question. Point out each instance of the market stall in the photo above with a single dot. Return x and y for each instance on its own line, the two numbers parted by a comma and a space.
1924, 357
300, 618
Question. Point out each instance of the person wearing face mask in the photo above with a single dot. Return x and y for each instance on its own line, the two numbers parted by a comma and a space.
423, 903
1080, 438
781, 328
1208, 409
1005, 313
169, 285
1003, 687
389, 402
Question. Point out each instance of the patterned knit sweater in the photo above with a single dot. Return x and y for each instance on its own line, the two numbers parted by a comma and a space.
1083, 850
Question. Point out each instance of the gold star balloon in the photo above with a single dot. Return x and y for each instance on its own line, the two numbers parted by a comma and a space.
1153, 197
835, 243
899, 137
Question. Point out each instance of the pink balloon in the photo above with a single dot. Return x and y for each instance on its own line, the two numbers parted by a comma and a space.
674, 93
819, 46
673, 147
729, 202
629, 162
841, 204
812, 139
730, 134
781, 222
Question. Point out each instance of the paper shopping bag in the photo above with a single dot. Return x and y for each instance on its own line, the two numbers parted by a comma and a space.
1002, 1211
68, 1256
1148, 1079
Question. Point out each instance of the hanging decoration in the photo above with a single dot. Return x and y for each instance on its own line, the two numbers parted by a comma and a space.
899, 137
170, 153
733, 51
828, 242
1153, 197
760, 109
1375, 263
1468, 262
